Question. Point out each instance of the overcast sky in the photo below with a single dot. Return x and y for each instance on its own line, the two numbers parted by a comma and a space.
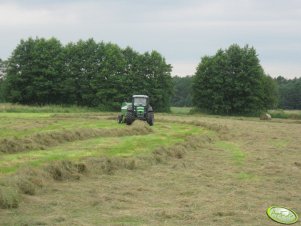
183, 31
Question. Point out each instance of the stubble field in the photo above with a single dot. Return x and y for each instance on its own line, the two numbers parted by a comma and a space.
85, 169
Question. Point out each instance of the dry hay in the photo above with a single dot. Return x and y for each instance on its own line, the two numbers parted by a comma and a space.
29, 181
44, 140
265, 116
208, 125
198, 186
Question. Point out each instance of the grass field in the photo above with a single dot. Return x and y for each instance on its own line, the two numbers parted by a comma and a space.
80, 167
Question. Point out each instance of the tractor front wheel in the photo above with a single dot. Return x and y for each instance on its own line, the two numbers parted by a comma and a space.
129, 118
150, 118
120, 118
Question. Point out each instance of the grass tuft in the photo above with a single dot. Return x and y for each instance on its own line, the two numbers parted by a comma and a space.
63, 170
9, 197
245, 176
26, 186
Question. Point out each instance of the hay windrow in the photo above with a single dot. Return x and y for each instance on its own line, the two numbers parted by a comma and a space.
99, 115
9, 197
30, 181
50, 139
208, 125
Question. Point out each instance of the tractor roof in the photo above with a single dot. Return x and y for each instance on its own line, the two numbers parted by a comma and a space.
143, 96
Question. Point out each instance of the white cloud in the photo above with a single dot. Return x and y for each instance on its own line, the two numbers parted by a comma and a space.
183, 31
12, 15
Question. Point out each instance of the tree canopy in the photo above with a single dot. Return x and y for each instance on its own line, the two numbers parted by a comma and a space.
87, 73
2, 75
182, 92
289, 92
97, 74
233, 82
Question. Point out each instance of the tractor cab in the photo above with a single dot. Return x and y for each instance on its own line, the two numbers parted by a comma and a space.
140, 105
140, 100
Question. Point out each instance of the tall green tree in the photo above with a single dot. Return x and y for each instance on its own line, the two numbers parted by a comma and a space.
85, 73
109, 82
289, 93
182, 92
34, 72
270, 98
2, 77
156, 80
81, 65
2, 68
232, 82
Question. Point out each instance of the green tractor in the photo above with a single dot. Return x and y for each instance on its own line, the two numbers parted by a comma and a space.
139, 108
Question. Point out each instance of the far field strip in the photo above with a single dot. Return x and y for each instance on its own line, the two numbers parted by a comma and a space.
19, 125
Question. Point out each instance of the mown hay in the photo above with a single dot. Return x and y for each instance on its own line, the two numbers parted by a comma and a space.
110, 165
9, 197
29, 181
45, 140
64, 170
178, 151
26, 186
208, 125
265, 116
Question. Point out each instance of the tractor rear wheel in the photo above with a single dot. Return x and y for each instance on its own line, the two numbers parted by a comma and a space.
129, 118
150, 118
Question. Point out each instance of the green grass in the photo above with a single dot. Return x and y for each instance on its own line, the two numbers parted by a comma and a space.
279, 113
239, 173
16, 108
180, 110
25, 124
163, 136
238, 156
236, 153
245, 176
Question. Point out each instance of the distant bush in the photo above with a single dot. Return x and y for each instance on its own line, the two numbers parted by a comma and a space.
285, 114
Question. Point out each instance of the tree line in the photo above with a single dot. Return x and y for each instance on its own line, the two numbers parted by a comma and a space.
43, 71
86, 73
289, 93
233, 82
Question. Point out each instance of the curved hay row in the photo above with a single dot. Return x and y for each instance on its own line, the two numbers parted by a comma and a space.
30, 180
50, 139
208, 125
